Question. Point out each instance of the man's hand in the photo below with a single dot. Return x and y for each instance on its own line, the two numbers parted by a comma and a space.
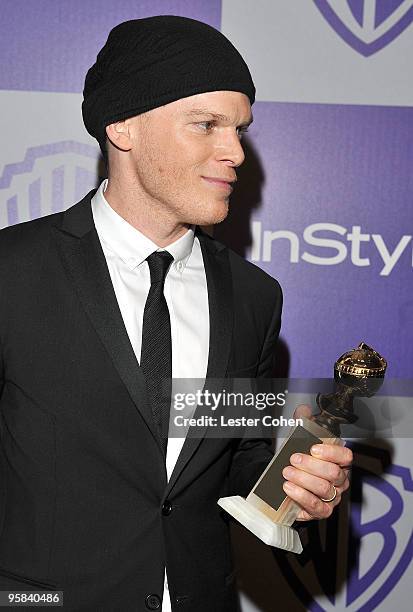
311, 477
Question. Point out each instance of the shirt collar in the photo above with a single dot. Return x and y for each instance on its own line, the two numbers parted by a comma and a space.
127, 242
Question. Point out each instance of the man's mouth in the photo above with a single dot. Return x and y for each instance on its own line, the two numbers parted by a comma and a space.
221, 183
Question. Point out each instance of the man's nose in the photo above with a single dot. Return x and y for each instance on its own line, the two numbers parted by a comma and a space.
229, 149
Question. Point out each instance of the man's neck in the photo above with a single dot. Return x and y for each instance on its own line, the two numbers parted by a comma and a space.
149, 217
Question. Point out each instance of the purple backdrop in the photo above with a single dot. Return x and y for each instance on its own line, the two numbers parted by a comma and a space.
350, 166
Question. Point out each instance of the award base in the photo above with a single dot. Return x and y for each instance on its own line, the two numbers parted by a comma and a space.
273, 534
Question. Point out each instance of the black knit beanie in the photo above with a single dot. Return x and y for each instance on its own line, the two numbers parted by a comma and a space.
150, 62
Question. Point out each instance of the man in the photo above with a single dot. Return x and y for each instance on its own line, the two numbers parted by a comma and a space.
101, 302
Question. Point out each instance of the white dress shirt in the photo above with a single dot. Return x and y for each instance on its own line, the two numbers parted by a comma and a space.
126, 249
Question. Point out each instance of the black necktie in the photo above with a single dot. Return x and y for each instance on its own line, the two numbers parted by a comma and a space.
156, 352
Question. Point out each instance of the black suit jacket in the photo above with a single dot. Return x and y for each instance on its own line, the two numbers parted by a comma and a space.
83, 479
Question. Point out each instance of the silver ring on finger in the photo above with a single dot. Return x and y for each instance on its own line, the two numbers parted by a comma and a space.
331, 498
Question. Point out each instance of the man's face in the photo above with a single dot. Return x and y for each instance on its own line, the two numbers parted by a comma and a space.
185, 154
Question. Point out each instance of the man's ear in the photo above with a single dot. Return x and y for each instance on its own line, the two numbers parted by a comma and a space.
119, 135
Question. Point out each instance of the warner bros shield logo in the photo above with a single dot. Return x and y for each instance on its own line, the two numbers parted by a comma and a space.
367, 25
49, 179
351, 562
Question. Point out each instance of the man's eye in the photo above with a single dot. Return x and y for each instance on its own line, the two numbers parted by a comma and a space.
206, 125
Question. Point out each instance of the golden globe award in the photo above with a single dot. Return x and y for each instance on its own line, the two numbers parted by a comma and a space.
267, 512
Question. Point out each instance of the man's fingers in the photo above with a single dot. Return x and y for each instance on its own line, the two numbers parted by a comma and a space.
304, 516
318, 486
310, 478
341, 455
312, 467
309, 502
303, 410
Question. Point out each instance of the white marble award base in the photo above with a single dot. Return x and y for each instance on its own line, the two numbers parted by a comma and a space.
271, 533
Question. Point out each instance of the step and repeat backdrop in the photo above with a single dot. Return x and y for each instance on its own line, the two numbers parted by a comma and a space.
323, 204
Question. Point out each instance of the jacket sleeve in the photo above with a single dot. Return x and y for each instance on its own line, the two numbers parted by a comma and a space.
252, 455
1, 366
1, 372
267, 359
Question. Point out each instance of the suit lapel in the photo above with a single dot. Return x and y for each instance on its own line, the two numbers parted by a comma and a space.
85, 263
220, 303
